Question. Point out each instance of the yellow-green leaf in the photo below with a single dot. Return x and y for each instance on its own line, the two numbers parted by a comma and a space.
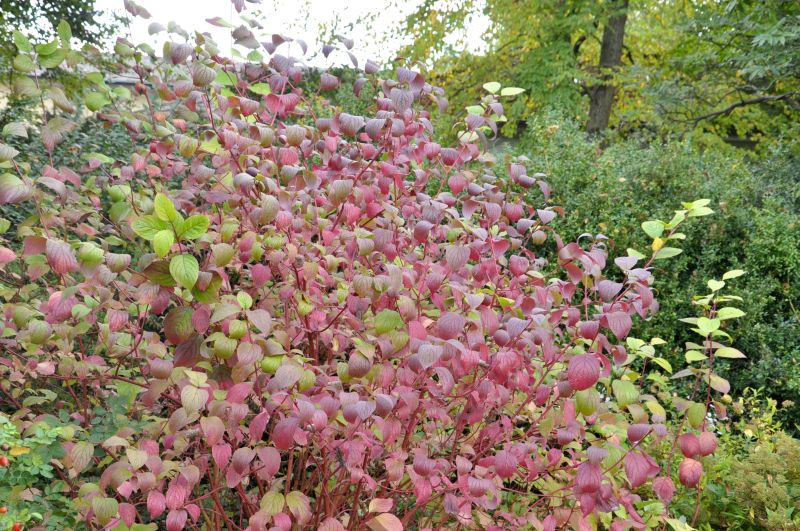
185, 270
148, 226
164, 208
193, 227
162, 242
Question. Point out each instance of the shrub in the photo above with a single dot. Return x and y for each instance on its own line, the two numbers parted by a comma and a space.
753, 478
259, 318
612, 190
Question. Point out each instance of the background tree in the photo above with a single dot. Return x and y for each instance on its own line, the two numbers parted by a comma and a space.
736, 69
42, 17
726, 68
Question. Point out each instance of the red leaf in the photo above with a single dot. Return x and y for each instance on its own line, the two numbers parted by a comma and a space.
505, 464
583, 371
176, 520
588, 478
241, 459
450, 325
283, 433
213, 429
689, 444
690, 472
221, 454
638, 467
176, 494
60, 257
258, 425
156, 503
619, 323
664, 488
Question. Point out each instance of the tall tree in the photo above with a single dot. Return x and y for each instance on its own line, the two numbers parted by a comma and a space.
601, 96
40, 17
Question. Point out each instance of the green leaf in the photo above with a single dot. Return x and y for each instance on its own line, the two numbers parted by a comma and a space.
122, 93
158, 272
636, 254
654, 229
211, 146
7, 153
96, 101
719, 384
15, 129
193, 398
162, 242
164, 208
696, 204
54, 59
244, 299
24, 63
22, 43
148, 226
707, 326
693, 355
104, 508
47, 48
272, 503
679, 525
716, 285
105, 159
95, 78
732, 274
511, 91
625, 392
64, 33
729, 313
193, 227
667, 252
387, 321
211, 293
729, 352
260, 88
699, 212
664, 364
492, 87
696, 414
185, 270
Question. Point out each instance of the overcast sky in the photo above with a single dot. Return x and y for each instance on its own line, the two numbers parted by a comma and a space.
372, 24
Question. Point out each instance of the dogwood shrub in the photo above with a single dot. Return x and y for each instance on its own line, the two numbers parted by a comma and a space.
318, 320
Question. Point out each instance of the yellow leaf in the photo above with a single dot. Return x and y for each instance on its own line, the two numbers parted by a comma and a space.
18, 450
658, 243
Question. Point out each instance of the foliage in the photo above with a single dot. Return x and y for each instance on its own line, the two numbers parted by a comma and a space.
610, 190
260, 313
725, 69
30, 488
737, 69
753, 478
80, 17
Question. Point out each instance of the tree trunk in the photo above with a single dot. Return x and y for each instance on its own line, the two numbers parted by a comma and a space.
601, 96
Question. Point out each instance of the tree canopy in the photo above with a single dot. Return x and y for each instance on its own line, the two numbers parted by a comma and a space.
728, 68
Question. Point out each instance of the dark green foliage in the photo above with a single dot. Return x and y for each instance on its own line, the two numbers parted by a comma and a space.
612, 190
85, 139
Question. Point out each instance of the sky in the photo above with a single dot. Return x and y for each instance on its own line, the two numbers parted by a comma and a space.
375, 39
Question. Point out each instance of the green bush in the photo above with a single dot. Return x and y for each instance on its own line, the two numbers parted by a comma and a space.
756, 230
753, 479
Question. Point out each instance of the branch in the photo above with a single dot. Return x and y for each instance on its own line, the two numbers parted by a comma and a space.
741, 103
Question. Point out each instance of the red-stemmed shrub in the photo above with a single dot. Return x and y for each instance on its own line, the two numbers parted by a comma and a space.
322, 320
